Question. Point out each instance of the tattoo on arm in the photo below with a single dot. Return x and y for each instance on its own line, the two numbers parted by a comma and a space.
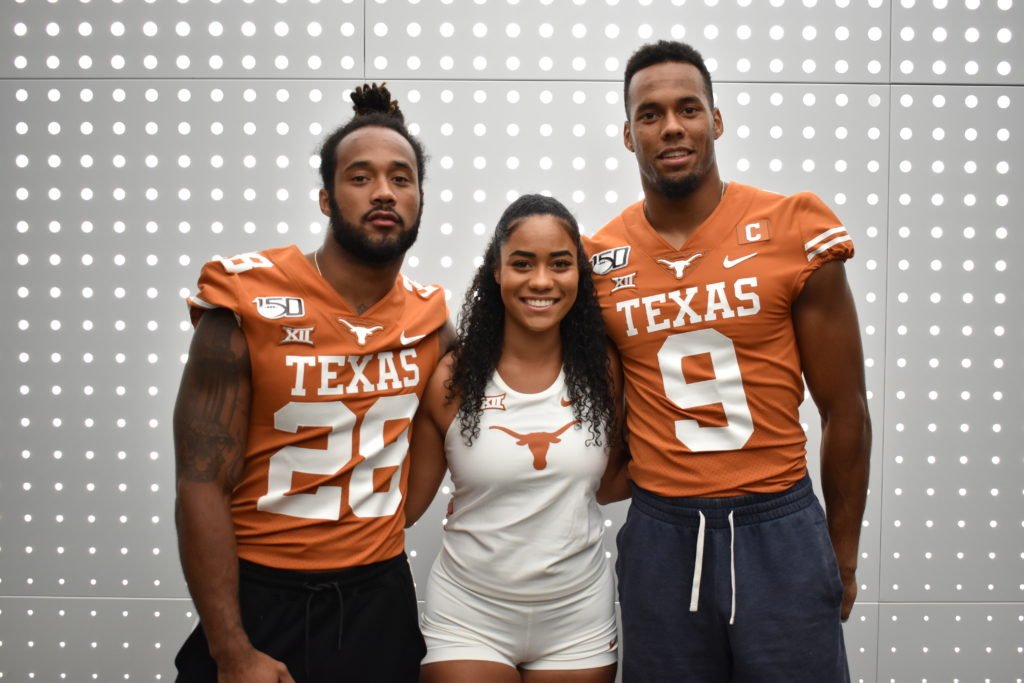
212, 413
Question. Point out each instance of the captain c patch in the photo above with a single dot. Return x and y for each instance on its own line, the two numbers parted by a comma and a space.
751, 232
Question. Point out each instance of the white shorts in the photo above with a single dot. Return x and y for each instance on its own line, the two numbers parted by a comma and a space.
572, 632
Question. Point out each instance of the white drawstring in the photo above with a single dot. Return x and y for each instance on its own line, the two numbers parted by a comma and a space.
698, 565
732, 566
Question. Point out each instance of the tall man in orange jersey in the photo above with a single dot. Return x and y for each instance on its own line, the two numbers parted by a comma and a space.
292, 427
722, 298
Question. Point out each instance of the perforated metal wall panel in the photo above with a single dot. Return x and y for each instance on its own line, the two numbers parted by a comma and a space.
92, 639
582, 41
143, 138
968, 43
950, 642
116, 39
952, 462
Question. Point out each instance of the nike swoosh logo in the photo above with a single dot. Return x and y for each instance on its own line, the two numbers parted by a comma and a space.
405, 341
729, 263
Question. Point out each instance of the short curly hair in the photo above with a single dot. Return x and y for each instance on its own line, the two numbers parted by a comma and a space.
659, 53
482, 322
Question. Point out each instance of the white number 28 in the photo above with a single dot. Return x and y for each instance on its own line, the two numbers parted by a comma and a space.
325, 502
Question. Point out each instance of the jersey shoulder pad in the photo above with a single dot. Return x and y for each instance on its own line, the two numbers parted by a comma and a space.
219, 279
425, 293
823, 235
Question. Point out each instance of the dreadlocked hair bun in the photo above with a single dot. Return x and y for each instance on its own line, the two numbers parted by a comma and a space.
375, 99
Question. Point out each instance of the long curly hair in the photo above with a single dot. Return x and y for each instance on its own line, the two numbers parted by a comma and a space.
482, 323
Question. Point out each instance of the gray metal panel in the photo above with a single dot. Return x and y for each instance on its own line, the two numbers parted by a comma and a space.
861, 636
544, 39
969, 42
179, 40
98, 639
953, 472
967, 643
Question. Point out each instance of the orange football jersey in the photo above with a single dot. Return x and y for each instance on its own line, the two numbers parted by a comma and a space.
713, 378
334, 393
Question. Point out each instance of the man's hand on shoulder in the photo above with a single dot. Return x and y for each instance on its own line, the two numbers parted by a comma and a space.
253, 666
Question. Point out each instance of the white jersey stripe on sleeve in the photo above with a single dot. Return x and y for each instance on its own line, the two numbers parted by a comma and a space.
824, 236
200, 303
825, 247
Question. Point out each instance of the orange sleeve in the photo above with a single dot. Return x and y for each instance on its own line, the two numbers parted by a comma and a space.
824, 236
218, 283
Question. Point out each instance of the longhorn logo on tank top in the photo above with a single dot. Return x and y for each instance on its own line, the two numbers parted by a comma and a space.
537, 442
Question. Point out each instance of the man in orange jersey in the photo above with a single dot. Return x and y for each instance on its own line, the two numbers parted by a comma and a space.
721, 298
292, 428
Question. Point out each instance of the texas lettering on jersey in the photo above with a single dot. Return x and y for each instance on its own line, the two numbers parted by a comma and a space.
334, 393
347, 375
713, 377
676, 309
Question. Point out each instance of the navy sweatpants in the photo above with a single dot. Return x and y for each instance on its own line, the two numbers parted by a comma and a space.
784, 603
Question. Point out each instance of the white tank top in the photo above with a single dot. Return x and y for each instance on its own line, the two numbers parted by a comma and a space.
526, 524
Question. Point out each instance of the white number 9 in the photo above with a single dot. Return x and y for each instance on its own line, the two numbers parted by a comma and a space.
726, 388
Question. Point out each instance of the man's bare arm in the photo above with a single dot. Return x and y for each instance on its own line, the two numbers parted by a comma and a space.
427, 462
828, 335
211, 422
446, 337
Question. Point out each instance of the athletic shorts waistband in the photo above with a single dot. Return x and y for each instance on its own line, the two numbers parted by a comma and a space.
300, 580
748, 509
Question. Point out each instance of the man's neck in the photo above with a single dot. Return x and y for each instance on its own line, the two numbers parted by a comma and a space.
361, 284
675, 219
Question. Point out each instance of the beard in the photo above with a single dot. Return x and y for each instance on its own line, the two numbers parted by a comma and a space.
363, 246
679, 188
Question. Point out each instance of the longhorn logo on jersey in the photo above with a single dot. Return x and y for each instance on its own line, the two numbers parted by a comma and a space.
537, 442
608, 260
679, 267
361, 333
274, 307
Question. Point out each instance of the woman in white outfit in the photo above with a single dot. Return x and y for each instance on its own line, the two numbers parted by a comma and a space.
524, 413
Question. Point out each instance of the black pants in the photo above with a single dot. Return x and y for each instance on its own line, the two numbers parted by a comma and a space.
347, 626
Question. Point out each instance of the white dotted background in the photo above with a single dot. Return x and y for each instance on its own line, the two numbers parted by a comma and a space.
142, 138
